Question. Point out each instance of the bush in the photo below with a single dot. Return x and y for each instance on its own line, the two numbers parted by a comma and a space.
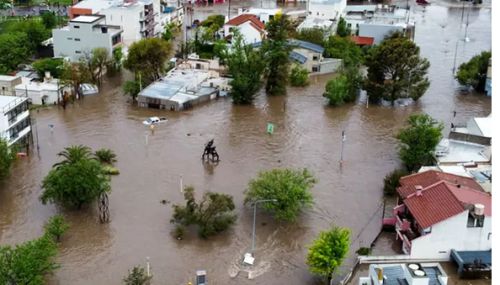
7, 157
364, 251
391, 181
105, 156
56, 227
137, 276
343, 88
473, 72
299, 76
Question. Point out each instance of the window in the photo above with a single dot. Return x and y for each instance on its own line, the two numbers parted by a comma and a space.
315, 69
77, 51
104, 30
315, 57
77, 40
76, 27
475, 221
70, 39
427, 230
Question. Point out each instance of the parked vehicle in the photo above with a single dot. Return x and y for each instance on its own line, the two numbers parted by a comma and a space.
154, 121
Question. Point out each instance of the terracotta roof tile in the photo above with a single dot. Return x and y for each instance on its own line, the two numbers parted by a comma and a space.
435, 203
470, 196
427, 178
363, 41
238, 20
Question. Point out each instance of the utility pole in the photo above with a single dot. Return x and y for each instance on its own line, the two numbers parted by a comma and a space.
342, 148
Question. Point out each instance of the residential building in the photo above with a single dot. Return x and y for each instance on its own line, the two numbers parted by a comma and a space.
478, 130
84, 33
182, 88
264, 14
326, 9
88, 7
311, 22
362, 41
434, 218
170, 12
481, 173
47, 92
487, 86
409, 274
378, 21
15, 123
249, 26
8, 84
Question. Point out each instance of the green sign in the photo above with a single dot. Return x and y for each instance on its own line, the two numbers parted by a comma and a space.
270, 128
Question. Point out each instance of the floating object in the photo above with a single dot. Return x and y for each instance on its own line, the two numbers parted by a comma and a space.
270, 128
154, 120
248, 258
88, 89
21, 154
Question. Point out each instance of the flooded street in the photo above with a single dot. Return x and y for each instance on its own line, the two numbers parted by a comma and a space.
307, 134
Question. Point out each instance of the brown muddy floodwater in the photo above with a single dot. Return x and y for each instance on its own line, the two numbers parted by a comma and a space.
307, 134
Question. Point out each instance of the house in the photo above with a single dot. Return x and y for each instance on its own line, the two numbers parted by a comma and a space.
362, 41
47, 92
378, 21
182, 88
8, 84
311, 22
15, 123
88, 7
249, 26
263, 14
478, 130
487, 86
411, 274
83, 34
326, 9
433, 218
481, 173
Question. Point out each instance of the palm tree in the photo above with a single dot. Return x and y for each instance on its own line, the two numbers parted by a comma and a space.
105, 156
74, 154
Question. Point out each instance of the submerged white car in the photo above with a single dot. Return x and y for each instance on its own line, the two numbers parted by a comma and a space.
154, 121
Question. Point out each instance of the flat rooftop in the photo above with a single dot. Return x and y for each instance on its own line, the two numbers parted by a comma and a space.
94, 5
8, 77
455, 151
8, 102
86, 19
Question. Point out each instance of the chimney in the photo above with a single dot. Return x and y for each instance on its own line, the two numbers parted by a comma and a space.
47, 76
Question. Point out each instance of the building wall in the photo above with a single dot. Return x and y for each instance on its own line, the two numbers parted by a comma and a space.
452, 233
7, 87
250, 34
313, 58
473, 128
74, 42
128, 18
377, 31
75, 12
21, 118
328, 11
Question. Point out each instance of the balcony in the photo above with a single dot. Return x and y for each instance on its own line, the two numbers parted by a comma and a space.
19, 135
18, 118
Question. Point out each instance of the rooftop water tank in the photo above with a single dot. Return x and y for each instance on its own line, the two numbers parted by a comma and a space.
479, 209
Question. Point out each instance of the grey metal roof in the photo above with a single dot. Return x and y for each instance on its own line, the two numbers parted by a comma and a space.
470, 256
297, 57
307, 45
432, 273
395, 275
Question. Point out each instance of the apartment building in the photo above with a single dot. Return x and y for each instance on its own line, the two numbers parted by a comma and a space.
15, 123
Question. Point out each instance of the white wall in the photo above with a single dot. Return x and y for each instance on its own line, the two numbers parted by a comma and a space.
377, 31
250, 34
328, 10
452, 233
128, 18
73, 42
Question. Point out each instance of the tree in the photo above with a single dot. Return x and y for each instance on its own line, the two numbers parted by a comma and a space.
473, 73
73, 75
53, 65
147, 57
245, 65
328, 251
98, 61
343, 88
76, 181
137, 276
30, 262
14, 50
345, 49
312, 35
396, 70
418, 141
299, 76
290, 188
168, 32
214, 20
214, 214
56, 227
105, 155
34, 30
7, 157
132, 88
49, 20
276, 51
342, 29
391, 181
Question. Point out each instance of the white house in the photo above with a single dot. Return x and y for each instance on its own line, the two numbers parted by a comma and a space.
41, 93
15, 124
452, 213
249, 26
8, 84
412, 273
311, 22
84, 33
264, 14
326, 9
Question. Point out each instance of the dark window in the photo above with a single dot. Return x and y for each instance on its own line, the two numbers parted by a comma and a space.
77, 40
315, 69
475, 221
14, 131
77, 51
76, 27
70, 39
104, 30
315, 57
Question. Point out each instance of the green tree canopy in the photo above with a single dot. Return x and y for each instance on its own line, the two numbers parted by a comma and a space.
245, 65
54, 65
7, 157
419, 140
391, 181
137, 276
345, 49
396, 70
105, 155
76, 181
290, 188
299, 76
147, 58
56, 227
276, 50
342, 29
49, 20
328, 251
214, 214
473, 72
344, 87
14, 50
312, 35
34, 30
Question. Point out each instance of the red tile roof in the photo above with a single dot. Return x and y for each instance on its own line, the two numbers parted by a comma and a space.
434, 204
444, 200
363, 41
427, 178
238, 20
